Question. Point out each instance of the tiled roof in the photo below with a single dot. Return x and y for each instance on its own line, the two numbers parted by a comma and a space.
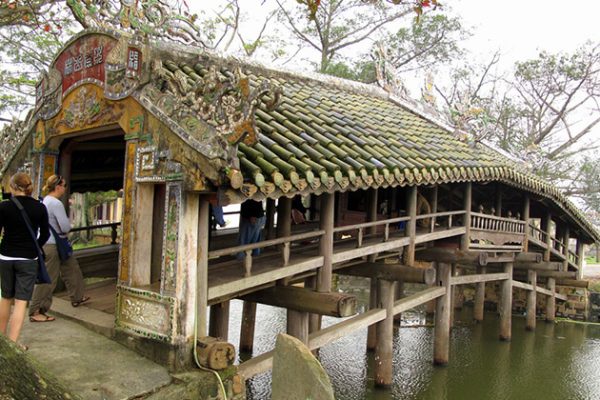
332, 135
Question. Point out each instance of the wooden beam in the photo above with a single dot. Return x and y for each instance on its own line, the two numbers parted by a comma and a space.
529, 257
557, 274
391, 272
410, 302
538, 289
468, 279
300, 299
231, 288
505, 304
541, 266
264, 362
373, 305
441, 254
573, 283
372, 215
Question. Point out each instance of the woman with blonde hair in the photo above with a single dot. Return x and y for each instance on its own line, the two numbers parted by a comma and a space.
67, 269
18, 253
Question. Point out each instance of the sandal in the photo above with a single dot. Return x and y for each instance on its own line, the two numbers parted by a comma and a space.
22, 347
80, 302
44, 318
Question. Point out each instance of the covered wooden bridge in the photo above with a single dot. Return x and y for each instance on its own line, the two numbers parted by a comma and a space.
395, 195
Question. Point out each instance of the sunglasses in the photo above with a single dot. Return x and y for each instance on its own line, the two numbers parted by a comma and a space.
59, 178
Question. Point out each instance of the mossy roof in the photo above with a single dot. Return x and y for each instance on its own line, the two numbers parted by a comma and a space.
328, 134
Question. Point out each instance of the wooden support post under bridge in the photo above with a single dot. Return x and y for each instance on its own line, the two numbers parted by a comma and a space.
478, 307
373, 285
248, 324
531, 300
551, 301
441, 346
219, 321
384, 352
505, 304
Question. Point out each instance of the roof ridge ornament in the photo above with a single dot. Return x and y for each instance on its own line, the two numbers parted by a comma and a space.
148, 17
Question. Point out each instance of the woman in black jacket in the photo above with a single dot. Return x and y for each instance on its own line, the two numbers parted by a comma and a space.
18, 255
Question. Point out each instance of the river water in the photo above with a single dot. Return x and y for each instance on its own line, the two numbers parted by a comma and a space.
556, 362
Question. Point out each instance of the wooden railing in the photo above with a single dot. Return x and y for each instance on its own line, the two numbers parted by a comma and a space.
437, 219
573, 258
246, 249
493, 223
113, 233
537, 234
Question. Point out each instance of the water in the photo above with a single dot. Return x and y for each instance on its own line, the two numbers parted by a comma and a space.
557, 361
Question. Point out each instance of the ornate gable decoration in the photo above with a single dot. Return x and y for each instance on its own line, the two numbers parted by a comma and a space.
110, 61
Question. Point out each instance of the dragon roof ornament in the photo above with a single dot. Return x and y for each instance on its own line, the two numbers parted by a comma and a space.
150, 17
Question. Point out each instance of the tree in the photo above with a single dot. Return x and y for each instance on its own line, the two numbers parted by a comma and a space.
543, 114
338, 24
424, 45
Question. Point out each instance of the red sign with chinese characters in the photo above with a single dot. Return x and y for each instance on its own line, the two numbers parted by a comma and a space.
84, 59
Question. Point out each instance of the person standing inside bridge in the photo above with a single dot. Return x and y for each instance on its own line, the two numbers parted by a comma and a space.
19, 253
252, 220
67, 269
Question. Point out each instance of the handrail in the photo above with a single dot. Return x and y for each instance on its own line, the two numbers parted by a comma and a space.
265, 243
371, 224
541, 234
113, 233
497, 224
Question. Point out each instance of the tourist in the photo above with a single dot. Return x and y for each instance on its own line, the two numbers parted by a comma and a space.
19, 253
67, 269
252, 219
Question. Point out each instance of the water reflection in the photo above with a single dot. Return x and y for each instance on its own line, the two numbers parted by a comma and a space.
556, 362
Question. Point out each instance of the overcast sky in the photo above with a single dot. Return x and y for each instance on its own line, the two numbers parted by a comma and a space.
520, 29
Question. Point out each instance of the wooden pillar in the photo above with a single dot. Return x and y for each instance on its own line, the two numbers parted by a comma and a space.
506, 304
202, 269
478, 307
467, 204
434, 206
324, 274
219, 321
270, 220
297, 325
531, 300
551, 301
373, 297
284, 217
372, 216
247, 329
385, 336
411, 226
565, 239
526, 217
373, 303
580, 256
441, 346
545, 225
453, 290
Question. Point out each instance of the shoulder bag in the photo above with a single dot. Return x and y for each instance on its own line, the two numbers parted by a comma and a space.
63, 246
42, 275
